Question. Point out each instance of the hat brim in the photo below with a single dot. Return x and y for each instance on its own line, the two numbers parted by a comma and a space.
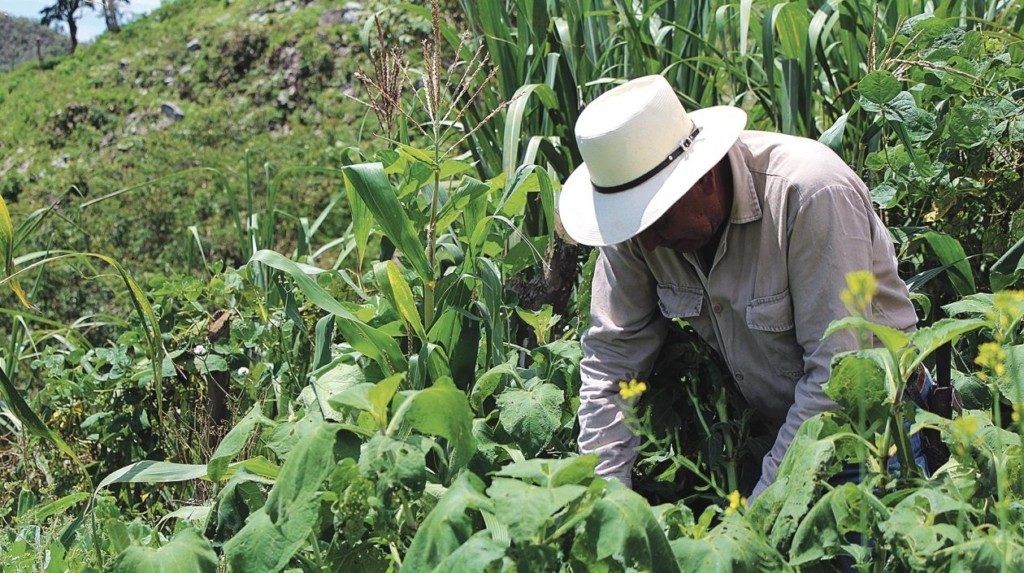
600, 219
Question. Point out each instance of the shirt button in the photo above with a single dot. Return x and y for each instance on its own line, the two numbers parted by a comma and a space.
717, 308
739, 376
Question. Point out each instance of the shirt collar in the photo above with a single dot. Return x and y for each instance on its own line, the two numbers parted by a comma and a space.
746, 207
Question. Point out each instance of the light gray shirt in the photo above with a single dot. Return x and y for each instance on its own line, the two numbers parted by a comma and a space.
801, 220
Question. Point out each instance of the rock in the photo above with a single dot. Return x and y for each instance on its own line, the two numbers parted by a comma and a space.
284, 98
172, 111
185, 69
286, 6
331, 17
287, 60
61, 162
193, 45
352, 11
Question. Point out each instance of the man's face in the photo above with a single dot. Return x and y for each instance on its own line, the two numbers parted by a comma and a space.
695, 218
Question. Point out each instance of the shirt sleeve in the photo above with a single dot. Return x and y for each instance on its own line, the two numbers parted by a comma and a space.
626, 332
831, 235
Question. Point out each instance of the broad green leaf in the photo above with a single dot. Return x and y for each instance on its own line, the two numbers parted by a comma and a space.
1009, 269
885, 195
809, 459
274, 533
514, 120
553, 473
469, 191
28, 417
477, 554
1011, 384
490, 293
364, 338
372, 398
186, 552
969, 125
823, 531
329, 382
894, 340
373, 187
531, 416
7, 253
529, 510
791, 24
977, 303
324, 335
488, 382
622, 532
416, 153
40, 513
975, 393
916, 123
734, 545
362, 221
541, 321
398, 292
928, 339
196, 514
914, 527
833, 136
148, 471
858, 385
441, 410
879, 87
233, 442
448, 525
951, 253
1000, 551
240, 497
392, 464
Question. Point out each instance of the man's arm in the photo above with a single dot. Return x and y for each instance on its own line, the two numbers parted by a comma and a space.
626, 332
830, 237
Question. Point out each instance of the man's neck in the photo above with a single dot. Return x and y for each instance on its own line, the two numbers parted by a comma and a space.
706, 254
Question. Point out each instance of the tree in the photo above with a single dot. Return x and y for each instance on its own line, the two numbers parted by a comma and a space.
111, 14
66, 11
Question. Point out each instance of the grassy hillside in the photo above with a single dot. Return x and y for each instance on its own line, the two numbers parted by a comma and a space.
194, 84
19, 38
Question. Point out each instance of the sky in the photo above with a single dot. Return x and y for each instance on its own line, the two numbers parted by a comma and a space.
91, 22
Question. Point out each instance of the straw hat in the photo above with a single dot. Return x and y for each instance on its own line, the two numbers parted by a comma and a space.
641, 153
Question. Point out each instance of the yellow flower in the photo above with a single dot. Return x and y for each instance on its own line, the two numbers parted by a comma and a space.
632, 389
1007, 308
735, 502
993, 45
965, 426
991, 356
861, 287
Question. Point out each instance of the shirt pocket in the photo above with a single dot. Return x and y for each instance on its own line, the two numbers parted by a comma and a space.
770, 320
676, 301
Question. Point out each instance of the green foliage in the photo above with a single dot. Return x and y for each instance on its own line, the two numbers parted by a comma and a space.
382, 406
185, 552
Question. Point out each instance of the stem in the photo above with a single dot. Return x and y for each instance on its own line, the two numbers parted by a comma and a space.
316, 551
903, 442
394, 553
730, 451
428, 285
883, 450
999, 461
